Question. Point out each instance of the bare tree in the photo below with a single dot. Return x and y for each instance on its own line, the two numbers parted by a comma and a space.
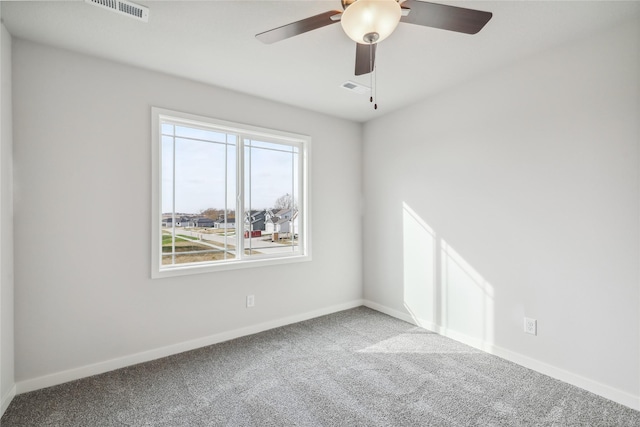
215, 214
285, 202
212, 213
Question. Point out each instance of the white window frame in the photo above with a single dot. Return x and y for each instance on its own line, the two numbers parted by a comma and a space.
303, 142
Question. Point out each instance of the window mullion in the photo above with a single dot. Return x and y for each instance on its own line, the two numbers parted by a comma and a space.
250, 204
240, 198
226, 201
302, 200
173, 201
294, 197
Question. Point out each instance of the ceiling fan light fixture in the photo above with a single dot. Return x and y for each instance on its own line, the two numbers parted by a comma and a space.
362, 20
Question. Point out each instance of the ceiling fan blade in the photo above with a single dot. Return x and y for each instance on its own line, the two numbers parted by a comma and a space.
299, 27
365, 58
452, 18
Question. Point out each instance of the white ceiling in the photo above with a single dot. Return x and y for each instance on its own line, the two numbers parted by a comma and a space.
213, 42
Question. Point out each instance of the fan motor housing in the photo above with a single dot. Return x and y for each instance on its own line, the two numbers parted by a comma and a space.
346, 3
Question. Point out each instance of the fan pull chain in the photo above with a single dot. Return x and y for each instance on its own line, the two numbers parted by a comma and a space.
371, 70
375, 88
374, 93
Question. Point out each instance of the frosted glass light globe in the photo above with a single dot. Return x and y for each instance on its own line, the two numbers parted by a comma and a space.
364, 18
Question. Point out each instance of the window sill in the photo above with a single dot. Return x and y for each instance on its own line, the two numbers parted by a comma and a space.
187, 269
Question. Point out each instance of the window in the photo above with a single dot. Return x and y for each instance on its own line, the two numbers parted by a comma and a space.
226, 195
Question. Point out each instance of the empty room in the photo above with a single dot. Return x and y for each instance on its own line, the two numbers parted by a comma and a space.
319, 213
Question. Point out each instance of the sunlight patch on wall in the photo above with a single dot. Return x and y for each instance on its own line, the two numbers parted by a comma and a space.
441, 290
419, 263
467, 298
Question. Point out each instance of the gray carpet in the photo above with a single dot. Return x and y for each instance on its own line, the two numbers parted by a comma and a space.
353, 368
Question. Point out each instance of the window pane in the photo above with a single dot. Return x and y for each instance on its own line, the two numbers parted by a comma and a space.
167, 175
270, 196
270, 145
167, 198
167, 129
203, 220
205, 135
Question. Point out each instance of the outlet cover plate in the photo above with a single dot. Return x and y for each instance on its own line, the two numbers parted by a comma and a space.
531, 326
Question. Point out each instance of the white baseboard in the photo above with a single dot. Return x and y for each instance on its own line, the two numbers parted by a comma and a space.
608, 392
146, 356
585, 383
6, 400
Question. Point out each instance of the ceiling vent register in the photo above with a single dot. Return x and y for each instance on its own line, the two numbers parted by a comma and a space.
355, 87
123, 7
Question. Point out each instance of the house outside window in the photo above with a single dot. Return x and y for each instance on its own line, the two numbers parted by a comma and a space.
226, 195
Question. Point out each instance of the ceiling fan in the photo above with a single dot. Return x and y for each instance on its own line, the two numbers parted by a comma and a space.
368, 22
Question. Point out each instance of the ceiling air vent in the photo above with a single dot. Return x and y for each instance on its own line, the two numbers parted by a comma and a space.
355, 87
123, 7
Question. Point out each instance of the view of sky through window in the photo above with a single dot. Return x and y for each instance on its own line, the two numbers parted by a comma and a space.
205, 170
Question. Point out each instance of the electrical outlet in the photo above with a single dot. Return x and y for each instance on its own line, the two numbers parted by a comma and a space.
251, 300
531, 326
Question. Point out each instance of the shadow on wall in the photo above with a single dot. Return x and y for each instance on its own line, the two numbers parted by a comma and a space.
442, 291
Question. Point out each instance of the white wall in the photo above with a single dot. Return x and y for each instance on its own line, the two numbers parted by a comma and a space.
517, 194
82, 149
7, 389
